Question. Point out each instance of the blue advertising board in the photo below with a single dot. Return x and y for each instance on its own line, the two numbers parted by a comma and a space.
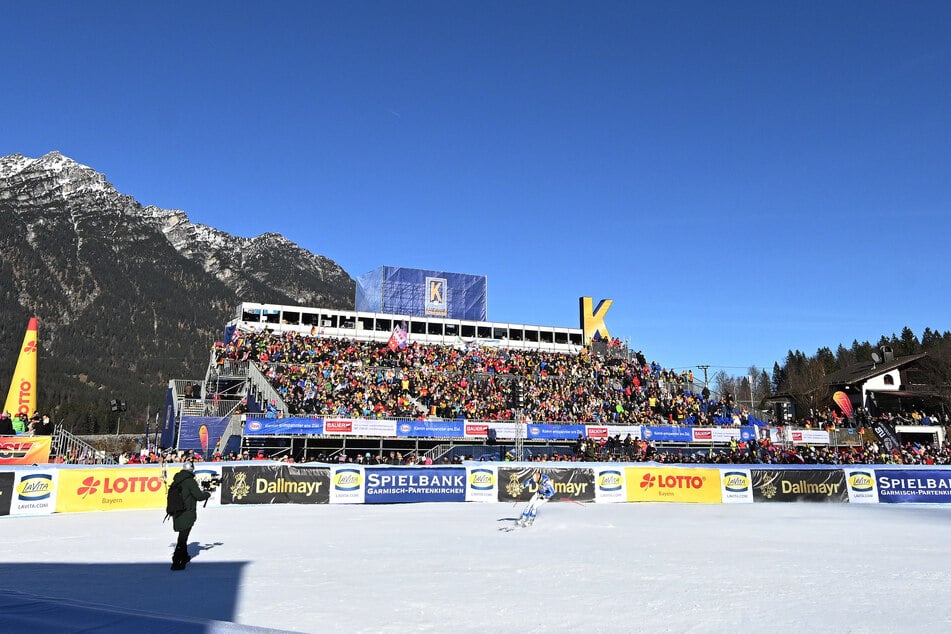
555, 432
431, 429
668, 434
284, 427
397, 485
191, 435
422, 293
913, 485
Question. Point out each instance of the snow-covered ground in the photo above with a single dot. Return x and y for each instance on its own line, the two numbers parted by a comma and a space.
447, 568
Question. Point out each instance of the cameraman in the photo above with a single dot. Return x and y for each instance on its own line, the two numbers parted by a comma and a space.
184, 521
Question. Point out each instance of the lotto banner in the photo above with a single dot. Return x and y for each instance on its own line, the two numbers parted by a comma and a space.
110, 489
799, 485
25, 449
275, 484
673, 484
570, 484
34, 492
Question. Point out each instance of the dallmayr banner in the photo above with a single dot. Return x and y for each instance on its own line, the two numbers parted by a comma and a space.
913, 485
673, 484
25, 449
799, 485
275, 484
6, 491
569, 483
482, 484
397, 485
110, 489
34, 492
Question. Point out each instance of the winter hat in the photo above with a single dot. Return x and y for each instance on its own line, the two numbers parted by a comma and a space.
189, 466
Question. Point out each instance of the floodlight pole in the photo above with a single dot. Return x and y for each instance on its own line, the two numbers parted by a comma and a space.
519, 433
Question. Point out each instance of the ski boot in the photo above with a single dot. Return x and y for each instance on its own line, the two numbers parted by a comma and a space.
180, 559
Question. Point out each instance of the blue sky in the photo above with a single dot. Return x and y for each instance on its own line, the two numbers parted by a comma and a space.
741, 178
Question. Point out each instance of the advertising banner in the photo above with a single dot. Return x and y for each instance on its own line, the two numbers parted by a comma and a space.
359, 427
202, 433
886, 434
478, 431
861, 485
110, 489
6, 491
600, 432
718, 434
482, 484
673, 484
554, 432
609, 485
570, 484
284, 427
507, 431
411, 484
668, 434
346, 484
913, 485
736, 486
431, 429
205, 472
25, 449
799, 485
809, 437
275, 484
34, 493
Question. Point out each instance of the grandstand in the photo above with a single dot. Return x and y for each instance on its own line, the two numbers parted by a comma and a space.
288, 363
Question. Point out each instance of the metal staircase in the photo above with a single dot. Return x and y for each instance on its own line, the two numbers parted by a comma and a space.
66, 447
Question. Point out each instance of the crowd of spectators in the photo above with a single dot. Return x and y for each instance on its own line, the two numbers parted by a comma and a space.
344, 377
20, 424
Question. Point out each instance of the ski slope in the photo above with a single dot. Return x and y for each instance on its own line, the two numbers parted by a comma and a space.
447, 567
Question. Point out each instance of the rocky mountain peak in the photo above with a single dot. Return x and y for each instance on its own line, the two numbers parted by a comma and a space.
128, 295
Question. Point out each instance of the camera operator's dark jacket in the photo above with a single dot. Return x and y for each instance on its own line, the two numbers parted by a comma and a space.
192, 494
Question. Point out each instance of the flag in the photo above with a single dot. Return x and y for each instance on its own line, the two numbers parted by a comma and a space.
21, 399
398, 338
842, 400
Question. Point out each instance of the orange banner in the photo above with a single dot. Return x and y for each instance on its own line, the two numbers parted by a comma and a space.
671, 484
107, 489
25, 449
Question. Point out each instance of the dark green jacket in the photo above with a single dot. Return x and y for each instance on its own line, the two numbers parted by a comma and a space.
193, 495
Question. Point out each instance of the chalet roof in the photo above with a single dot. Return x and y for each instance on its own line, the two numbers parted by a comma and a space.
861, 372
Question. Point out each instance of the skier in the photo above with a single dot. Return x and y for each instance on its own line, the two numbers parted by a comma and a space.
544, 490
184, 521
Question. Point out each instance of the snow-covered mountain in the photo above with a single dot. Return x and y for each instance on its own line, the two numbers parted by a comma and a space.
128, 295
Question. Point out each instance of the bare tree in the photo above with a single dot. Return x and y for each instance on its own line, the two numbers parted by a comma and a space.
806, 384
